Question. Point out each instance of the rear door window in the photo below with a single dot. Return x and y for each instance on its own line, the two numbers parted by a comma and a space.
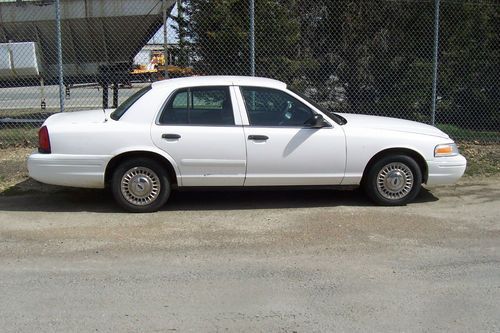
199, 106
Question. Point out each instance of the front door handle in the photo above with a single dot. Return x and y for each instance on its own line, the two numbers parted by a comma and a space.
170, 136
258, 137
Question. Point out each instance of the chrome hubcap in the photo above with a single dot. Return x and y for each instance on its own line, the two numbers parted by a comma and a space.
395, 181
140, 186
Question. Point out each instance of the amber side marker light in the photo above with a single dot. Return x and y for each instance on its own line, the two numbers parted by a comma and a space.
43, 140
449, 149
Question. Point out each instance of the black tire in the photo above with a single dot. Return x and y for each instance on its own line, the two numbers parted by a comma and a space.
393, 180
140, 185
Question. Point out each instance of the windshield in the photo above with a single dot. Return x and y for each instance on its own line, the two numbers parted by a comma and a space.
120, 110
332, 115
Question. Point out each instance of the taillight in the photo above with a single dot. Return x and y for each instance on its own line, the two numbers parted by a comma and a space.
43, 140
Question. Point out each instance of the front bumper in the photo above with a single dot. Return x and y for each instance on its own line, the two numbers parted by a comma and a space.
68, 170
445, 170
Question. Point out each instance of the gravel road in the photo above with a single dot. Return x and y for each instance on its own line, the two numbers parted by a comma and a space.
295, 261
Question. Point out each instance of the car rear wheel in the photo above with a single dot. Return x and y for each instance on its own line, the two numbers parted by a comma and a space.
393, 180
140, 185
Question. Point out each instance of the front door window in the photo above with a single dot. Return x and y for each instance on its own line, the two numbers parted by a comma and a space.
271, 107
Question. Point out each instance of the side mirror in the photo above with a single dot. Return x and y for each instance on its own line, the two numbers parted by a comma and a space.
316, 121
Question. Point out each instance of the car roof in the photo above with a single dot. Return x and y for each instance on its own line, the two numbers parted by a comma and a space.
219, 80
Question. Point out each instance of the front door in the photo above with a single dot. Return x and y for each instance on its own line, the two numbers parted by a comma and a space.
281, 150
197, 128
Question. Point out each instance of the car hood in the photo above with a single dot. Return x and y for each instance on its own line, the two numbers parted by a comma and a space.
79, 117
391, 124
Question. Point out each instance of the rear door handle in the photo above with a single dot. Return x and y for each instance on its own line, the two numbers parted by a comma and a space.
170, 136
258, 137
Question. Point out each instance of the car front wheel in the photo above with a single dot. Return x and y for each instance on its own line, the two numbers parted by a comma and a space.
140, 185
393, 180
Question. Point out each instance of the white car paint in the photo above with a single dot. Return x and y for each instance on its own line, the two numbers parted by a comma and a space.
83, 143
368, 135
205, 156
295, 156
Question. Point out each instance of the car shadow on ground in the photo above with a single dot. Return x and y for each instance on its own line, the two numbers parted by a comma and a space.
32, 196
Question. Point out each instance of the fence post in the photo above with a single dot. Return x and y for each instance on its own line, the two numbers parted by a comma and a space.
165, 37
252, 37
435, 69
59, 55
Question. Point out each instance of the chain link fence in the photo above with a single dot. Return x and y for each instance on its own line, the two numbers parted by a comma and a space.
372, 57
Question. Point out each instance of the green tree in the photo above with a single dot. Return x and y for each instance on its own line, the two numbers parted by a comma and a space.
470, 65
361, 56
371, 56
219, 30
181, 30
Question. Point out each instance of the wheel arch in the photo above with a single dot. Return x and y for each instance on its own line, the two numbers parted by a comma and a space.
398, 151
116, 160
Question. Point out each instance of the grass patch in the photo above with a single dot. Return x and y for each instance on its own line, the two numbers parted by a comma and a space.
459, 133
18, 137
27, 113
482, 160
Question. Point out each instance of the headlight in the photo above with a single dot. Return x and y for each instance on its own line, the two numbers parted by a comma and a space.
449, 149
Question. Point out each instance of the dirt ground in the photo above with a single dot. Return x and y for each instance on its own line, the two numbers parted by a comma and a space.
13, 166
275, 261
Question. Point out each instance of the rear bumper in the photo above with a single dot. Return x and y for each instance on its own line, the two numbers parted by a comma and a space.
446, 170
68, 170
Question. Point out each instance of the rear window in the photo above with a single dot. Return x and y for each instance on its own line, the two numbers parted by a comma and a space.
122, 108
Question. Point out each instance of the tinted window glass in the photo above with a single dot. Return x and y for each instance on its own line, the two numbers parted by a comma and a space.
180, 100
122, 108
199, 106
271, 107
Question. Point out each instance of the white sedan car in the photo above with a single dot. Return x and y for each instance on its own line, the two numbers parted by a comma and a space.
237, 132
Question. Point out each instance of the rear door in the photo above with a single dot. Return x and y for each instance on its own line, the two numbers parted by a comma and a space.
201, 130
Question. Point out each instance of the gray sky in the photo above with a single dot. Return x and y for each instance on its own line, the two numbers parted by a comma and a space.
171, 34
